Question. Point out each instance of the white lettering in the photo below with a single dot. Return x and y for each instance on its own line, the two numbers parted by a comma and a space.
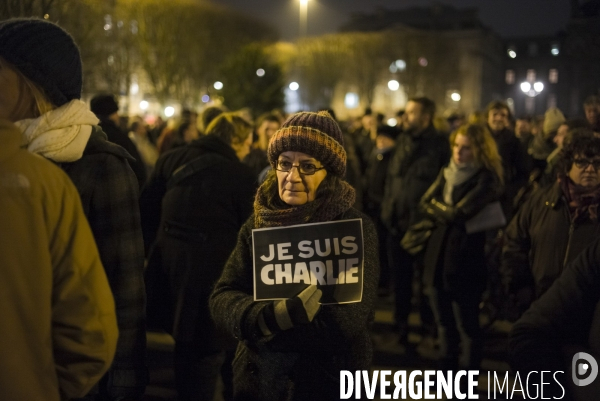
384, 384
264, 275
347, 242
370, 386
444, 385
327, 250
317, 272
301, 273
427, 385
285, 273
400, 385
346, 391
351, 270
411, 385
472, 383
271, 254
282, 252
304, 246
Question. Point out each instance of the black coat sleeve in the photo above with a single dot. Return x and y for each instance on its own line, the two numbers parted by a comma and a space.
559, 318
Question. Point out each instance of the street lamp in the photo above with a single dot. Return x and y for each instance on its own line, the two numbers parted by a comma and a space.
532, 90
303, 17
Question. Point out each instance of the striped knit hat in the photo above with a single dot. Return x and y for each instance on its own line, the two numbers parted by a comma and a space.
46, 54
317, 135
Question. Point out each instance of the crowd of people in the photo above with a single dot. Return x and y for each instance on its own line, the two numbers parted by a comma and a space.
107, 233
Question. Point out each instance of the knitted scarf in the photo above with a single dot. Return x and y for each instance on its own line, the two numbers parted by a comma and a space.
455, 175
271, 211
60, 134
581, 200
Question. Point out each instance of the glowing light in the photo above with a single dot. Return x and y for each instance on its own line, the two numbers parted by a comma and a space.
260, 72
169, 111
135, 88
393, 85
294, 86
423, 62
538, 86
144, 105
205, 99
455, 96
218, 85
392, 122
525, 87
401, 65
512, 54
351, 101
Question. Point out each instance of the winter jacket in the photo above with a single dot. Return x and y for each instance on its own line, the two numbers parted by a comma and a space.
414, 166
565, 320
541, 240
302, 363
59, 329
515, 164
457, 256
116, 135
199, 221
109, 193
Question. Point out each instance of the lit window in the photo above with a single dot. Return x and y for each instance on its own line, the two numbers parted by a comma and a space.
530, 75
553, 76
510, 77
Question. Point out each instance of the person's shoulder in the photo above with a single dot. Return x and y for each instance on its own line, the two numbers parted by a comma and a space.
354, 213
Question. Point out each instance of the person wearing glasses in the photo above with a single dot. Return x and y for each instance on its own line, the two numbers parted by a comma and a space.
294, 349
555, 224
196, 201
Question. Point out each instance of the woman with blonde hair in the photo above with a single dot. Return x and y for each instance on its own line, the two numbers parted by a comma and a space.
455, 270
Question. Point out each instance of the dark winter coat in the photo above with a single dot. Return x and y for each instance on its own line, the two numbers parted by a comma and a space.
565, 320
199, 222
109, 194
414, 166
541, 240
375, 176
116, 135
516, 166
304, 362
257, 160
452, 253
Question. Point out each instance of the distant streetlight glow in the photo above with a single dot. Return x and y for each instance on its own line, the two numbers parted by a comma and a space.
423, 62
525, 87
218, 85
135, 88
205, 98
303, 17
512, 54
260, 72
144, 105
294, 86
455, 96
392, 122
393, 85
169, 111
538, 86
351, 101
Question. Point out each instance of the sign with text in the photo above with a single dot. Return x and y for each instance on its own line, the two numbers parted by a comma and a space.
329, 255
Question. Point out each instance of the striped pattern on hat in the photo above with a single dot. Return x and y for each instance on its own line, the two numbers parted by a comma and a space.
316, 134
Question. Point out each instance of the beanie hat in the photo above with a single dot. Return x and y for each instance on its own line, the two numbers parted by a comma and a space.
553, 119
317, 135
104, 105
44, 53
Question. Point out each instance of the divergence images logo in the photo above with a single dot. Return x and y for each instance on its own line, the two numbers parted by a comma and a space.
585, 369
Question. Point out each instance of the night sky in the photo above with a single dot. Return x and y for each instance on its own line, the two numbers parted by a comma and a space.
509, 18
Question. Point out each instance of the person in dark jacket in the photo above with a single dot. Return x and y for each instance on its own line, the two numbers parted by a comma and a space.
562, 323
515, 160
374, 187
455, 270
202, 194
45, 63
294, 349
266, 125
106, 108
555, 225
419, 154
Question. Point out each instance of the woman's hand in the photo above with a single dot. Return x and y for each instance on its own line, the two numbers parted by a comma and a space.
441, 212
283, 315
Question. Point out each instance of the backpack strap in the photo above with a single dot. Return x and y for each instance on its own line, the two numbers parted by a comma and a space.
193, 167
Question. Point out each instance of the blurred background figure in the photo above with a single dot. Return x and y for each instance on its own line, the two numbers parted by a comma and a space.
106, 108
138, 133
591, 106
196, 201
265, 127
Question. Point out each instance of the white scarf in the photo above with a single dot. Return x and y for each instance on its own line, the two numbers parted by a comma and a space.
455, 175
60, 135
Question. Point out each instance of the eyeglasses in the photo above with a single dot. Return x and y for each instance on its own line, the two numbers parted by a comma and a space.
584, 163
304, 168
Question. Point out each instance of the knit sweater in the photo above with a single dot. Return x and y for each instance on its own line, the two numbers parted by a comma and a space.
304, 362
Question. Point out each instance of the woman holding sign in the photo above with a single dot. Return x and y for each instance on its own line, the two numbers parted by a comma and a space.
455, 268
294, 349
